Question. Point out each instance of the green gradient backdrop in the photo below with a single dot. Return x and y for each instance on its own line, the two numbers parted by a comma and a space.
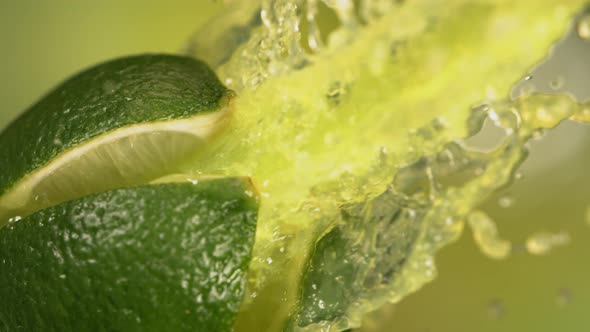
43, 42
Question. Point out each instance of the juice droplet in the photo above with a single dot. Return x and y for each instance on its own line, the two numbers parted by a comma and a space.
582, 116
485, 234
505, 201
543, 242
584, 27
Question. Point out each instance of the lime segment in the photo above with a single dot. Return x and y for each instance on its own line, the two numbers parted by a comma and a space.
121, 123
165, 257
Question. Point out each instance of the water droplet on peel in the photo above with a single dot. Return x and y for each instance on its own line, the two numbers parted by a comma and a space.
268, 260
321, 304
14, 219
528, 77
62, 276
584, 28
109, 87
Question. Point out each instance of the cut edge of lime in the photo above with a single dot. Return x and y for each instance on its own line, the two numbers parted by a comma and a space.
48, 185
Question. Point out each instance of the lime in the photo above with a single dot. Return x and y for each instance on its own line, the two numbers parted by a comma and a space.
120, 123
163, 257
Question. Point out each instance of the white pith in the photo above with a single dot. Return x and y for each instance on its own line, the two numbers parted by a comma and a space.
19, 199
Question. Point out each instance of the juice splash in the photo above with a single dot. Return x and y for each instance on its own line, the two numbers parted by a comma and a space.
355, 133
485, 234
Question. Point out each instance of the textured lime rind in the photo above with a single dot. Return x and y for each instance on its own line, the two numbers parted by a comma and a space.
112, 95
165, 257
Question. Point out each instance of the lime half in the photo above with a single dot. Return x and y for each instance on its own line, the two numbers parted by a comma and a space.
118, 124
165, 257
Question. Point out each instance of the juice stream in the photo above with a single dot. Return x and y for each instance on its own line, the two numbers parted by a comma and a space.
355, 135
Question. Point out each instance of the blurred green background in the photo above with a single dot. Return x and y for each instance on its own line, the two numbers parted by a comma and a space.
43, 42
